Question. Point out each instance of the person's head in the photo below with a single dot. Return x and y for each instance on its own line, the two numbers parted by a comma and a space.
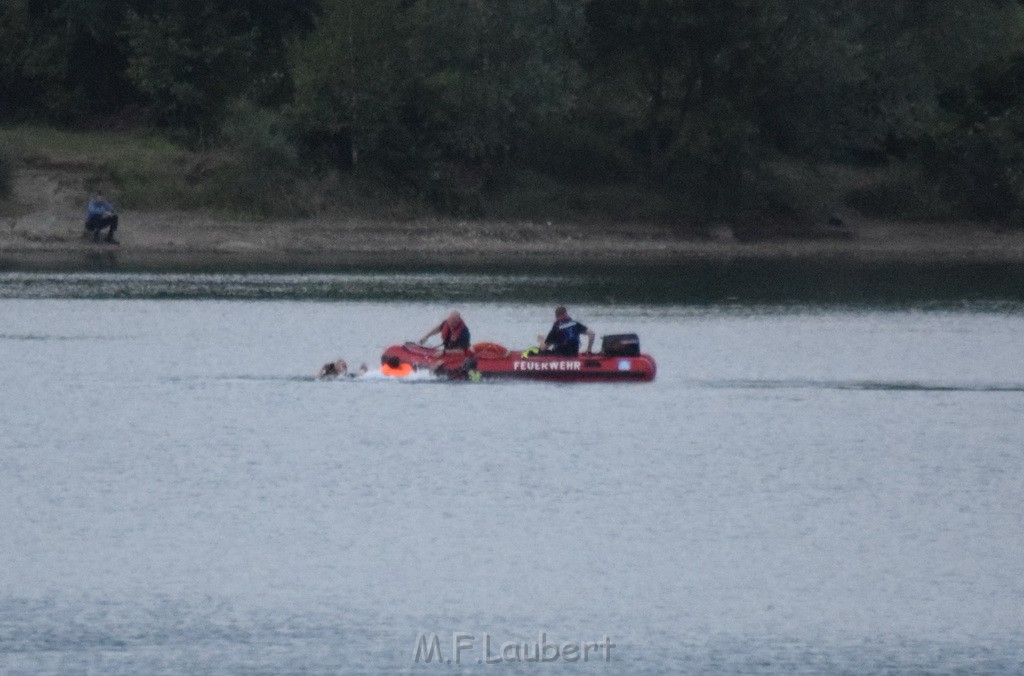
561, 312
454, 318
333, 368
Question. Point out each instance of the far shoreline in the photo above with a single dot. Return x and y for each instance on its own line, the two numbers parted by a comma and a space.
212, 262
185, 242
41, 229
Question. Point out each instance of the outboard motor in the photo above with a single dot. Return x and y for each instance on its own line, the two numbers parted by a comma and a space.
620, 345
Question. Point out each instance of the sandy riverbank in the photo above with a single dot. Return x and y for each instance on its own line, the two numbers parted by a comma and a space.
42, 229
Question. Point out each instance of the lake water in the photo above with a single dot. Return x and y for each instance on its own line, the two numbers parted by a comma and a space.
814, 483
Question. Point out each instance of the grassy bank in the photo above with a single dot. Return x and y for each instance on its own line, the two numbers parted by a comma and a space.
187, 210
147, 171
5, 174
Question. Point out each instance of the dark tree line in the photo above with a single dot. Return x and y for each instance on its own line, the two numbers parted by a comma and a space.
697, 99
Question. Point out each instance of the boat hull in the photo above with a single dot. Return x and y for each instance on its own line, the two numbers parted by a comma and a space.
514, 365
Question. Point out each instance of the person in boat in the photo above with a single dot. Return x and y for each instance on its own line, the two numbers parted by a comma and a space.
339, 369
564, 336
467, 370
395, 367
454, 333
100, 214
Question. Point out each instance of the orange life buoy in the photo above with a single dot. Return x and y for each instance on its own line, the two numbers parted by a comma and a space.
399, 371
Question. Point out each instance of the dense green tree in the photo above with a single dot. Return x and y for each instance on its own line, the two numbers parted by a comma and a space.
699, 100
812, 78
190, 60
351, 82
188, 63
62, 58
76, 59
486, 76
465, 79
915, 51
17, 92
946, 97
485, 72
979, 156
656, 63
699, 88
441, 91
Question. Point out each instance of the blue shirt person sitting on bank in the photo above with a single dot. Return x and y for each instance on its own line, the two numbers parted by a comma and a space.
100, 214
564, 336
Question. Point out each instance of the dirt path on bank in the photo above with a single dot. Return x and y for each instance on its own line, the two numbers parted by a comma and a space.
41, 228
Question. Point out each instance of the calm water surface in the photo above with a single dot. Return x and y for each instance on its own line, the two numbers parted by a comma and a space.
812, 487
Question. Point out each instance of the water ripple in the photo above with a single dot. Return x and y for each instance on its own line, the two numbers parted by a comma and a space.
868, 385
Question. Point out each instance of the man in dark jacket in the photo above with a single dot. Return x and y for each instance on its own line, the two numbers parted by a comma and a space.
564, 336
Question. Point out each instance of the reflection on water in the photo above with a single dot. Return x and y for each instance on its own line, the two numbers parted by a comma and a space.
896, 385
743, 282
826, 489
375, 377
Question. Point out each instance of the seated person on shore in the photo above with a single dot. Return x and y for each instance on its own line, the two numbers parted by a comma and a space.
100, 214
454, 333
564, 336
336, 369
395, 367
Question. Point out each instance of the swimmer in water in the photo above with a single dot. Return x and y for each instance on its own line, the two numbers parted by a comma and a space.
339, 369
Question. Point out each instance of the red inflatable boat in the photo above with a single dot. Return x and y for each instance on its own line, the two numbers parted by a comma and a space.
619, 360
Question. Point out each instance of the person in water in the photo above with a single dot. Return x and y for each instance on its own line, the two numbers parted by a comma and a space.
564, 336
395, 367
339, 369
454, 333
100, 214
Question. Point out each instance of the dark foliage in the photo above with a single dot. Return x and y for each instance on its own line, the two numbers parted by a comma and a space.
5, 175
691, 101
